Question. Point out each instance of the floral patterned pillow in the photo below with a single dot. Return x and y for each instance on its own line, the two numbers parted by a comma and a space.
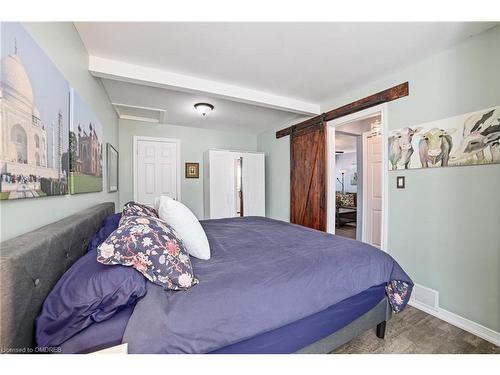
152, 247
137, 209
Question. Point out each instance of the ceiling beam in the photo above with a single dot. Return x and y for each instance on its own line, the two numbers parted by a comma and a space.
384, 96
126, 72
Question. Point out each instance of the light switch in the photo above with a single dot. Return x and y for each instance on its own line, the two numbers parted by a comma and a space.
400, 182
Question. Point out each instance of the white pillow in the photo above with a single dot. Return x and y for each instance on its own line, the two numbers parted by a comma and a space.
156, 203
187, 226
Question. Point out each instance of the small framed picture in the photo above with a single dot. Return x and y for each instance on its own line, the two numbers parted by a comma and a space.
354, 178
400, 182
112, 168
192, 170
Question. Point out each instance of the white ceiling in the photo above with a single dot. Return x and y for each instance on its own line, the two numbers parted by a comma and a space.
179, 107
345, 143
308, 63
358, 127
346, 134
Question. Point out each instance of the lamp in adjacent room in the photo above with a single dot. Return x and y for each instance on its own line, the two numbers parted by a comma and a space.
204, 108
342, 182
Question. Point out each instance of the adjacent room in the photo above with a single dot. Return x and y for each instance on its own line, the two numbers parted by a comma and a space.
356, 145
250, 188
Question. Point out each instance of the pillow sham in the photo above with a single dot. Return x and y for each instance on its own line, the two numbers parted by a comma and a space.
186, 225
88, 292
138, 209
153, 248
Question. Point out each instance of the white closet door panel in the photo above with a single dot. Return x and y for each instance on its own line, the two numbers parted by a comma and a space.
221, 184
149, 178
167, 179
156, 170
206, 184
254, 187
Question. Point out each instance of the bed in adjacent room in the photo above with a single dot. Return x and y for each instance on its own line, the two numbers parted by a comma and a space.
268, 287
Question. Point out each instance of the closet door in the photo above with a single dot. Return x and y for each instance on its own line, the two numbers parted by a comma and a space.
222, 178
254, 186
157, 166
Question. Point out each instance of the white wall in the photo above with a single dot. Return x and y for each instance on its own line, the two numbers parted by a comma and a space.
277, 171
63, 45
348, 163
194, 142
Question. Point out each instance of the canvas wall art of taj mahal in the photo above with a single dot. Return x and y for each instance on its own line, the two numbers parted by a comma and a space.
34, 115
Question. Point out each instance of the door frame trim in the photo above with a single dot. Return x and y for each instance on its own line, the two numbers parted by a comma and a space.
177, 141
331, 125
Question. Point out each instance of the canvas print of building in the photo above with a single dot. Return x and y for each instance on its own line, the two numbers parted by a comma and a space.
85, 148
469, 139
34, 119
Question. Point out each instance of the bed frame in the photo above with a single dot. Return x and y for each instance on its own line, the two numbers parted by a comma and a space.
31, 264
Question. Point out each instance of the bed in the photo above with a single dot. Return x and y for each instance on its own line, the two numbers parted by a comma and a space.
267, 314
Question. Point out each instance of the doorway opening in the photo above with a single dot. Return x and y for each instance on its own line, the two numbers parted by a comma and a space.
346, 183
356, 176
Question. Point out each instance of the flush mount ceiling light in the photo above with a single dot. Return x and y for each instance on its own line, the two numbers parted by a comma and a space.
204, 108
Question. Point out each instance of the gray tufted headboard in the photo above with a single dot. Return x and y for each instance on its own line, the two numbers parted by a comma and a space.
30, 266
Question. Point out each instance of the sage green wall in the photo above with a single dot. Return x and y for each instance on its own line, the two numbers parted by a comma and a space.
194, 142
63, 45
444, 227
277, 171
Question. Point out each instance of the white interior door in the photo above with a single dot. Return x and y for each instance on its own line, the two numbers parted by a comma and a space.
373, 189
254, 184
222, 184
157, 169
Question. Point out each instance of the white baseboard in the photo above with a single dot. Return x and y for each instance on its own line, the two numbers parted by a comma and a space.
460, 322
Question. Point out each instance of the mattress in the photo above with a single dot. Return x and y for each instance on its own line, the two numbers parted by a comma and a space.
286, 339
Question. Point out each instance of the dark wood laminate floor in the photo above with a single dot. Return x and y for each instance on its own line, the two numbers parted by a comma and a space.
414, 331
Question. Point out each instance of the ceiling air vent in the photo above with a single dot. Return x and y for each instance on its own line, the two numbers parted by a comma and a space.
131, 112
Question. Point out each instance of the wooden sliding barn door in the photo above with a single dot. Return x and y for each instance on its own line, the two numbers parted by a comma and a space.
308, 177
